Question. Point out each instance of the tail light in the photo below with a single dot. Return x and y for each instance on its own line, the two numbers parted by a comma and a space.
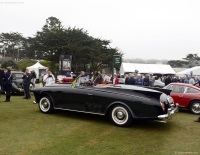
162, 105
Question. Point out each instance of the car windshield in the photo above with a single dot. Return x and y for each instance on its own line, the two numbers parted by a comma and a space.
17, 75
192, 91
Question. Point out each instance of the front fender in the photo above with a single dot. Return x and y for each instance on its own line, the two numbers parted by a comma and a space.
16, 89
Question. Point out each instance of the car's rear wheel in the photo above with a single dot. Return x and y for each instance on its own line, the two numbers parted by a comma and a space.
195, 107
121, 116
46, 105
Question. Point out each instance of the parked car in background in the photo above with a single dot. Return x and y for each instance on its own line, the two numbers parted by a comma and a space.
121, 103
159, 84
186, 95
17, 86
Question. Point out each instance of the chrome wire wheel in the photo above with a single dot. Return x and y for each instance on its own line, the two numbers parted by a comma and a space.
45, 105
195, 107
121, 116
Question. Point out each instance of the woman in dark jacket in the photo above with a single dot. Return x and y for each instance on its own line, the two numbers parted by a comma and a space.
8, 84
168, 80
131, 80
146, 81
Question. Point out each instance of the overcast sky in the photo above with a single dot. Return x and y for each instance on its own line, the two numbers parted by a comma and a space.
146, 29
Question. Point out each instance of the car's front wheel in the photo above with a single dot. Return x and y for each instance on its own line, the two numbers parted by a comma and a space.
121, 116
46, 105
195, 107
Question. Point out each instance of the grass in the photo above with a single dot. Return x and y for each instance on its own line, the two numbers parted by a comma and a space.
24, 130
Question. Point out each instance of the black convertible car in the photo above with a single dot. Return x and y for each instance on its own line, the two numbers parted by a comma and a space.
122, 103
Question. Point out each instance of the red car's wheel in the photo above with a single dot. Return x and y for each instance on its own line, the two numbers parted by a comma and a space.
195, 107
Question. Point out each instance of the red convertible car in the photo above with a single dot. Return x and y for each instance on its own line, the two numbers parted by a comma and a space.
186, 95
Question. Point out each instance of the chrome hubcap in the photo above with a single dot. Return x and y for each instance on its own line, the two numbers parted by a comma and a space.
196, 107
44, 104
120, 115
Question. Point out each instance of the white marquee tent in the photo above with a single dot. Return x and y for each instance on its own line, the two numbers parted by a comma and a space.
38, 68
146, 68
191, 71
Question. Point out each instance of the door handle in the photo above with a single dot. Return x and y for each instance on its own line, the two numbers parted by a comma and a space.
90, 94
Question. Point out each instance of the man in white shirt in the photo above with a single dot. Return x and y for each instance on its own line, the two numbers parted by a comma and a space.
106, 78
192, 81
49, 78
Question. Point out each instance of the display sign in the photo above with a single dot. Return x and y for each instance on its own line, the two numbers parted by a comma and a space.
117, 59
65, 63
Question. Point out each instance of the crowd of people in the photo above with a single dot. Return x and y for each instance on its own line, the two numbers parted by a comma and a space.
139, 79
149, 79
95, 78
132, 79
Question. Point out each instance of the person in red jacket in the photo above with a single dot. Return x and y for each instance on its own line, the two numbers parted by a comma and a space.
115, 80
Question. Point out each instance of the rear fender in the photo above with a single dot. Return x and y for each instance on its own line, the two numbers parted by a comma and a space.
166, 91
119, 103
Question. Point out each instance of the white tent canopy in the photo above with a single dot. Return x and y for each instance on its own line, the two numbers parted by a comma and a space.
146, 68
191, 71
38, 68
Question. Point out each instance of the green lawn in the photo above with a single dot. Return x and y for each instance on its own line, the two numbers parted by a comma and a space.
25, 130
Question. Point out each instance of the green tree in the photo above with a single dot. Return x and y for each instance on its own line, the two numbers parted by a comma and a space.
55, 40
25, 63
12, 45
177, 63
8, 62
192, 57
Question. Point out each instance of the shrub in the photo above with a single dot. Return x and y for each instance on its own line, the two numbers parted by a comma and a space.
8, 62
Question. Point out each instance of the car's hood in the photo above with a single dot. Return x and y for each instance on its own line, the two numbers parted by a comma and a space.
18, 81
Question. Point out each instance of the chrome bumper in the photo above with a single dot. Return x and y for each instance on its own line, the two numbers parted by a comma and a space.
21, 90
170, 112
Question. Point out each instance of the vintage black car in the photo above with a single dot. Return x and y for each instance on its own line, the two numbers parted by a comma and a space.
17, 86
122, 103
